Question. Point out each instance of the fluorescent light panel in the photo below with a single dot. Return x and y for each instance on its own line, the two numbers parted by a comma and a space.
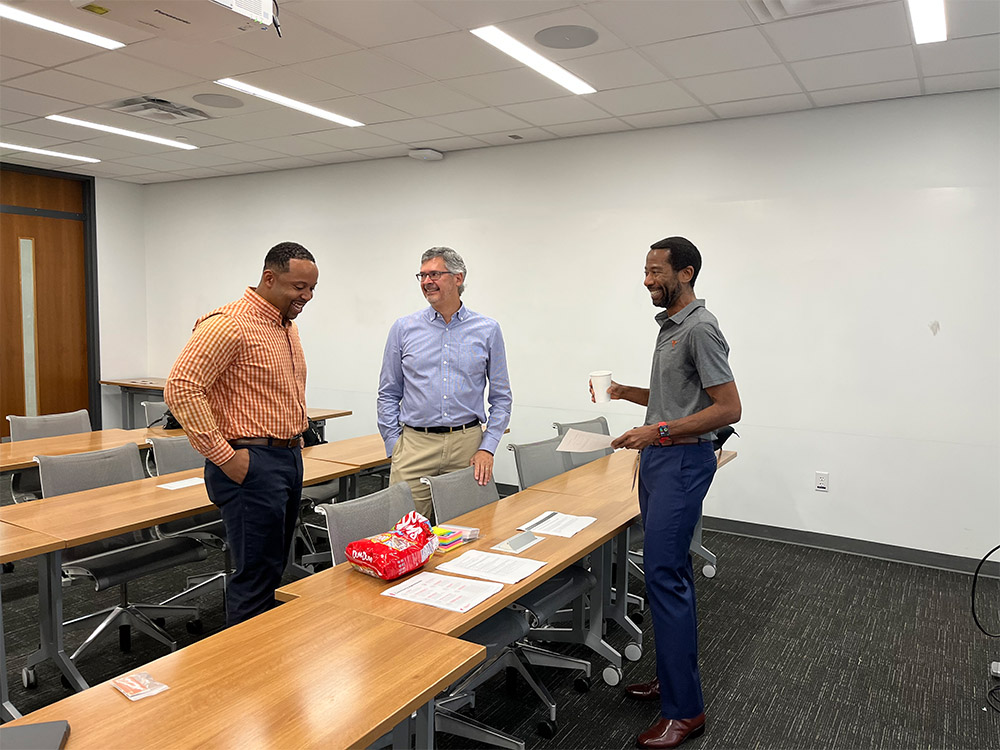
45, 24
120, 131
509, 45
284, 101
928, 19
43, 152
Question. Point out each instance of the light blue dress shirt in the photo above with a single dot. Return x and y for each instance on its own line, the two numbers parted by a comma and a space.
434, 375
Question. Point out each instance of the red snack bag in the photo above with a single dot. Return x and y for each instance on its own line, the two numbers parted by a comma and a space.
397, 552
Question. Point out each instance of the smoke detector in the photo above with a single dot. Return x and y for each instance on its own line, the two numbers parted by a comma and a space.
425, 154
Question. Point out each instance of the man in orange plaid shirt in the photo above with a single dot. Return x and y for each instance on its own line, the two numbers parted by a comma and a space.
238, 389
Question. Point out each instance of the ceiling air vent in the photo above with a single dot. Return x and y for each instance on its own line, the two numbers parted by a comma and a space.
159, 110
774, 10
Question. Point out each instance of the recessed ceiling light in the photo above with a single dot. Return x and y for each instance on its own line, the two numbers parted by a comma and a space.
43, 152
13, 14
928, 21
284, 101
566, 37
509, 45
121, 131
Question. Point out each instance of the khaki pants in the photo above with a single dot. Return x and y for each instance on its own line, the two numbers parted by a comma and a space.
425, 454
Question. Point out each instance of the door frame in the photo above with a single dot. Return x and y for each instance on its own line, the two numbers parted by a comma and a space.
89, 218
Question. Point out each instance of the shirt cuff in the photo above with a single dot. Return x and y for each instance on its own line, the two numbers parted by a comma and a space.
220, 453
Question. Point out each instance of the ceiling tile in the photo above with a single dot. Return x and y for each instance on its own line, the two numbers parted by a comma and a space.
105, 154
960, 55
256, 125
673, 117
436, 56
524, 30
349, 138
639, 22
555, 111
508, 86
198, 172
52, 129
33, 104
649, 98
10, 117
757, 83
74, 16
131, 145
129, 72
292, 146
35, 140
300, 40
426, 99
286, 162
385, 152
70, 88
477, 121
35, 160
407, 131
110, 169
972, 18
151, 178
462, 143
867, 93
239, 168
362, 72
370, 24
764, 106
363, 109
857, 68
713, 53
524, 135
156, 163
337, 157
472, 15
185, 96
840, 32
962, 82
12, 68
290, 83
215, 155
41, 47
210, 61
614, 70
590, 127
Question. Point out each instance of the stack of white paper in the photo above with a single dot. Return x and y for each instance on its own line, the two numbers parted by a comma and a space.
557, 524
182, 483
492, 567
444, 592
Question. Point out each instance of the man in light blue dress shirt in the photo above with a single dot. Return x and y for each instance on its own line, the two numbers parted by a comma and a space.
437, 365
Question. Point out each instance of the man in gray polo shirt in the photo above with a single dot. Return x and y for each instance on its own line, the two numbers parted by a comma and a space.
691, 394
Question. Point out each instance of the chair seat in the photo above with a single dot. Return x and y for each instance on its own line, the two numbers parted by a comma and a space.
203, 523
548, 598
119, 566
498, 632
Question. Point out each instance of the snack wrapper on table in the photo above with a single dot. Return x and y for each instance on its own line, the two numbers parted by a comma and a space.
395, 553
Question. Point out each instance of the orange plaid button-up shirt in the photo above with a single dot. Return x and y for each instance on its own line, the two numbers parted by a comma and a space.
242, 374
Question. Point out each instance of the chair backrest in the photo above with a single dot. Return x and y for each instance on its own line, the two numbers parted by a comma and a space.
598, 425
154, 410
369, 515
538, 461
85, 471
172, 454
49, 425
458, 492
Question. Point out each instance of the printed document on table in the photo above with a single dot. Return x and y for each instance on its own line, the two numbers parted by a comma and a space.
578, 441
557, 524
444, 592
492, 567
182, 483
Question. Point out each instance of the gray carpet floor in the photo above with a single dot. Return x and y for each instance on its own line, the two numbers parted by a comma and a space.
800, 648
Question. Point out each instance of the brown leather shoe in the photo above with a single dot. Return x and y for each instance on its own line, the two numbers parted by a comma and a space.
672, 732
644, 691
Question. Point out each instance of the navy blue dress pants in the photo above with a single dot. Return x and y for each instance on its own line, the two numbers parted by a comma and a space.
260, 517
673, 482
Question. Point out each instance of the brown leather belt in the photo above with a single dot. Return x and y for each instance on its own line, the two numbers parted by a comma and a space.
685, 441
438, 430
295, 442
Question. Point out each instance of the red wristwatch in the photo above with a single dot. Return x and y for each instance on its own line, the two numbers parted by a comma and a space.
664, 433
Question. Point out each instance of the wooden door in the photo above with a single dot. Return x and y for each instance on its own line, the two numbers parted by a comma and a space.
58, 281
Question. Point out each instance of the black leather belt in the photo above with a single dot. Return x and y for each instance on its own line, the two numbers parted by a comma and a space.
685, 441
436, 430
295, 442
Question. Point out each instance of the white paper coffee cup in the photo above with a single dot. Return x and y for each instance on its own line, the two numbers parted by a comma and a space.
601, 380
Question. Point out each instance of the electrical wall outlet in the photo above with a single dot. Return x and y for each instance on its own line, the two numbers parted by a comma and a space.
822, 481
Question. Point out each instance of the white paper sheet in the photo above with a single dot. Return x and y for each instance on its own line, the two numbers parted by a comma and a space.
502, 568
557, 524
444, 592
578, 441
181, 483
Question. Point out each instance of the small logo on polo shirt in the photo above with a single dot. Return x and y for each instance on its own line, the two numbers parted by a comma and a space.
673, 344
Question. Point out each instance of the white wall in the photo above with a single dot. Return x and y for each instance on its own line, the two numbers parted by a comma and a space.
832, 240
122, 291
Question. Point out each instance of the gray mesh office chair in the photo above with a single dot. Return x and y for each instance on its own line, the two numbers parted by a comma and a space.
172, 454
365, 516
538, 461
153, 410
598, 425
24, 484
120, 559
457, 493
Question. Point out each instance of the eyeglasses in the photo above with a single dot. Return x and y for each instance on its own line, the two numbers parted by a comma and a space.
432, 275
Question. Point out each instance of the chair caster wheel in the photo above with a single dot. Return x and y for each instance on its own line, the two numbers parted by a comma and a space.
581, 684
709, 571
195, 626
125, 638
636, 618
547, 728
633, 652
161, 622
29, 678
612, 676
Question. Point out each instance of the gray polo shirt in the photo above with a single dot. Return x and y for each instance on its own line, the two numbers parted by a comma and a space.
691, 355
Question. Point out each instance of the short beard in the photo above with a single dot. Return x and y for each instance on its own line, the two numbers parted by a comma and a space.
667, 297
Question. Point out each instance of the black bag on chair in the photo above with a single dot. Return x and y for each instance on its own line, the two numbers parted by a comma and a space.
168, 422
311, 436
722, 435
